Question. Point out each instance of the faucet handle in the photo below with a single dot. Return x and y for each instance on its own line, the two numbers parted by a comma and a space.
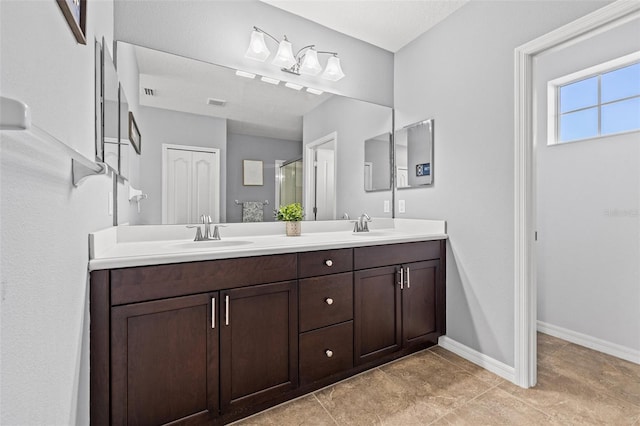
198, 232
216, 232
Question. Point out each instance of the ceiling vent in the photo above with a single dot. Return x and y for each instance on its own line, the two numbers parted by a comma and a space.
216, 102
148, 91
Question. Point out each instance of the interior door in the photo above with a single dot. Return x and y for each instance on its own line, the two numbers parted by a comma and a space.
191, 184
325, 184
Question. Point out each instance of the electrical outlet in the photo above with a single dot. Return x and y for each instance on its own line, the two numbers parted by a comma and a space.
110, 201
387, 206
401, 206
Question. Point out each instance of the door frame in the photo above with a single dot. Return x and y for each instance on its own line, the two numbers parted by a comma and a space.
165, 148
525, 292
308, 168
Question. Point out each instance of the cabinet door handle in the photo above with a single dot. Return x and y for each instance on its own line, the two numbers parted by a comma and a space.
328, 301
213, 312
328, 262
401, 278
226, 310
408, 278
328, 353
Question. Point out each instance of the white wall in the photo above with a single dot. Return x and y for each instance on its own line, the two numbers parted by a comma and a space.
461, 74
161, 126
219, 32
44, 220
588, 212
354, 122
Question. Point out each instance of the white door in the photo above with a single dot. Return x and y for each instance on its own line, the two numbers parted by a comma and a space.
325, 184
191, 184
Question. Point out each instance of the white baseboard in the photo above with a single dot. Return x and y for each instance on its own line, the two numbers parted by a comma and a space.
594, 343
501, 369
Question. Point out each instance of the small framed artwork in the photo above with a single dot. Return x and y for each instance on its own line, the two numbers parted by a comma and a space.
134, 134
75, 12
252, 173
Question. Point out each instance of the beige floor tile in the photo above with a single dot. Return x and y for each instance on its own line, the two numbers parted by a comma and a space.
607, 374
573, 401
467, 366
496, 407
305, 411
548, 345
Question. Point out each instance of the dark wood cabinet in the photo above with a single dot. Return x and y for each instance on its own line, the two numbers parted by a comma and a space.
258, 344
214, 341
164, 358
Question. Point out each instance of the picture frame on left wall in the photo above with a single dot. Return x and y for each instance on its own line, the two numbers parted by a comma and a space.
75, 12
134, 134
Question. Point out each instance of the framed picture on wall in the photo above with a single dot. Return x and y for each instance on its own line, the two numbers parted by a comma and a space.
134, 134
252, 173
75, 12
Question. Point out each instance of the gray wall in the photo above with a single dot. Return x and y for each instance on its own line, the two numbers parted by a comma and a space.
588, 212
219, 32
44, 221
461, 73
354, 121
378, 152
160, 126
244, 147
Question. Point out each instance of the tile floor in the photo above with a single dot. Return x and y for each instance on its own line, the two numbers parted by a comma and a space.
576, 386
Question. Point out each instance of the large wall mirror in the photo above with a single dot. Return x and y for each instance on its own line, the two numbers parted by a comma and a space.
414, 155
377, 163
201, 122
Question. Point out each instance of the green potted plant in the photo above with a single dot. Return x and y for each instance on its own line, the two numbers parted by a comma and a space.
292, 214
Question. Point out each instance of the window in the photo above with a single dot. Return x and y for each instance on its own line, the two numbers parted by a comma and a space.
599, 101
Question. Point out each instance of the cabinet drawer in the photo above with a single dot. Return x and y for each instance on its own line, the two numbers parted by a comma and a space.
325, 352
324, 262
394, 254
143, 283
325, 300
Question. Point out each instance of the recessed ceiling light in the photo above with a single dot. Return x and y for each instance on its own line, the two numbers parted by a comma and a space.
314, 91
293, 86
245, 74
270, 80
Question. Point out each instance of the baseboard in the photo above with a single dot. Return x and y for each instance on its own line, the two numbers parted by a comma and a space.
590, 342
501, 369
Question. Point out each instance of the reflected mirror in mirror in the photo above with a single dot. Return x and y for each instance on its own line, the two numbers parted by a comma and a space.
123, 135
181, 101
377, 163
414, 155
110, 90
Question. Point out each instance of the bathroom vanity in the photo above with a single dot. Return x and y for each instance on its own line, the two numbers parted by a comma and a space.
208, 335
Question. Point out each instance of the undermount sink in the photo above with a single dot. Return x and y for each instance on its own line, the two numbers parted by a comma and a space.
373, 234
211, 244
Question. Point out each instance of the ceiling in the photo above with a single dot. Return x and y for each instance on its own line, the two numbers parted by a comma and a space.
389, 24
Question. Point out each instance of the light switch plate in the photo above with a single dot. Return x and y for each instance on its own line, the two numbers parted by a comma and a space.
387, 206
401, 206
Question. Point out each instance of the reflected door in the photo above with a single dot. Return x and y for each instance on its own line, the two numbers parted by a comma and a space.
191, 184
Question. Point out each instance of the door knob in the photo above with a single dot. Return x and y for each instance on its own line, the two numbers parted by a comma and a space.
328, 301
328, 262
328, 353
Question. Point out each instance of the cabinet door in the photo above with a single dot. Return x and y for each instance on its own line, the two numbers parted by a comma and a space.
377, 320
259, 344
419, 323
165, 360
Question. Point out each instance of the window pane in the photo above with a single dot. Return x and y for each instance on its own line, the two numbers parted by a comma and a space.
621, 116
579, 125
621, 83
580, 94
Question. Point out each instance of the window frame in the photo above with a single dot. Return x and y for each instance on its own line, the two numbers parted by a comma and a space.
553, 97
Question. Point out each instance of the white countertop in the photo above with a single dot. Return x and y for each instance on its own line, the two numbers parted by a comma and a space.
129, 246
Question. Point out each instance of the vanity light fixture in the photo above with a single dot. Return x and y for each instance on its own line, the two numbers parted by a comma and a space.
245, 74
270, 80
293, 86
314, 91
305, 61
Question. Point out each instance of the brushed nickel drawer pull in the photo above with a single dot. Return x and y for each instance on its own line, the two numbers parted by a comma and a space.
213, 312
328, 353
408, 278
401, 278
328, 262
226, 313
328, 301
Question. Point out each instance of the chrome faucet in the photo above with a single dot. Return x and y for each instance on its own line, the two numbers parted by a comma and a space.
345, 216
361, 225
208, 235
